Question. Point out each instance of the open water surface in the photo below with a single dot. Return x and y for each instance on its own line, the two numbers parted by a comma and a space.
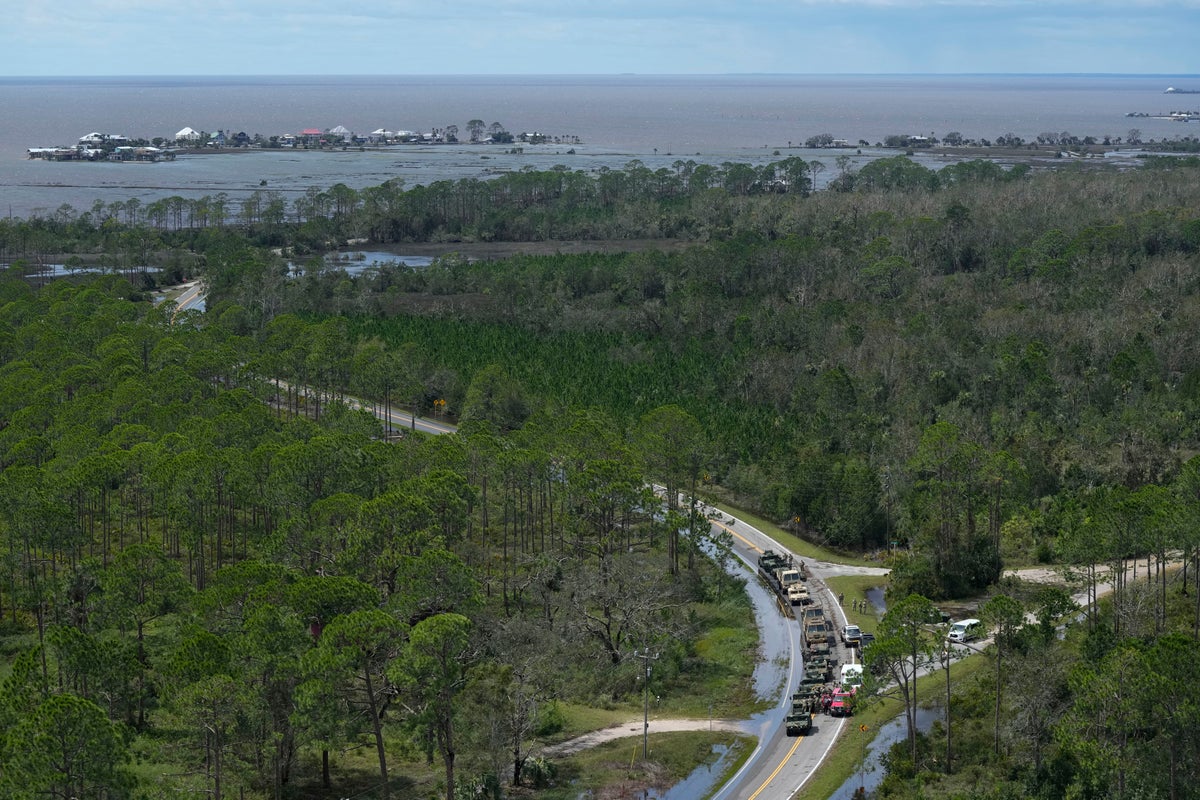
657, 119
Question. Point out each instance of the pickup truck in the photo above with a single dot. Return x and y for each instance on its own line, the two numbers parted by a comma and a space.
851, 636
842, 704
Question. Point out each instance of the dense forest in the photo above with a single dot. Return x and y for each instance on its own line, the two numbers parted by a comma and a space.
205, 566
216, 581
951, 363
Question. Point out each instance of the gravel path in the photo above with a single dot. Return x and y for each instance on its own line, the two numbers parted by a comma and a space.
634, 728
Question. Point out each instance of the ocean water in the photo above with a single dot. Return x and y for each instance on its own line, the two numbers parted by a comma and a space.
657, 119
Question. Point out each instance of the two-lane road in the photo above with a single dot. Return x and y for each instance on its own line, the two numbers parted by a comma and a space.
781, 765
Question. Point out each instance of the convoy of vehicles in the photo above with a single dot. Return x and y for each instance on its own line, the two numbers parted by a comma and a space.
825, 685
817, 691
782, 573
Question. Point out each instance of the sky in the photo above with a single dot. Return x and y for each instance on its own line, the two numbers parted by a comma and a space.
509, 37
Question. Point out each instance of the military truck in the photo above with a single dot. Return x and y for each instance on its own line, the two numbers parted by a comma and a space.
769, 565
818, 668
799, 723
807, 697
814, 614
787, 576
812, 679
822, 649
816, 631
770, 561
823, 663
798, 594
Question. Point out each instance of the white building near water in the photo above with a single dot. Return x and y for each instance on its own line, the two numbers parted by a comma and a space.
342, 131
96, 137
187, 135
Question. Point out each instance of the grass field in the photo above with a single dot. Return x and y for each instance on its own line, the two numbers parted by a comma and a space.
854, 590
616, 769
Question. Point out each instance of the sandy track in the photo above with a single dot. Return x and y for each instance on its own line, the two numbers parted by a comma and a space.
634, 728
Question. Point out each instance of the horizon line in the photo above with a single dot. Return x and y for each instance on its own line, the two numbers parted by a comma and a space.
160, 75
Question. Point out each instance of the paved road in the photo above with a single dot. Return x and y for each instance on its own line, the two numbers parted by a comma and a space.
191, 298
779, 765
401, 421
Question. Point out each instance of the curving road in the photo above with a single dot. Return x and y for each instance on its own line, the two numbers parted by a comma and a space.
779, 765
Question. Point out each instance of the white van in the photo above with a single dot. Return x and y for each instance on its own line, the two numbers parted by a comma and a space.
965, 630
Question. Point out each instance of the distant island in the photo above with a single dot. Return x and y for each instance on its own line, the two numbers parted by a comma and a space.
97, 146
114, 147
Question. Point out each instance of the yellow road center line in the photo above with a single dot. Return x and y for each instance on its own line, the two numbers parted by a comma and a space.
799, 739
737, 535
771, 777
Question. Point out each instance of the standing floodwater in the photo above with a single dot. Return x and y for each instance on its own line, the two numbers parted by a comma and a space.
870, 774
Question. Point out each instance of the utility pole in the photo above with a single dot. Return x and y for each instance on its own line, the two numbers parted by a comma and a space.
946, 656
646, 658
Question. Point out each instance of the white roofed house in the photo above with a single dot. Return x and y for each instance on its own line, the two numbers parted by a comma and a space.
341, 131
96, 138
187, 135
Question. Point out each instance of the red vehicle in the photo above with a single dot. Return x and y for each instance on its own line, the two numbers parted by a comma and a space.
842, 704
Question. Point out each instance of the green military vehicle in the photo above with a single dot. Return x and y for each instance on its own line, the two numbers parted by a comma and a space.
799, 723
807, 698
819, 665
819, 649
812, 679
